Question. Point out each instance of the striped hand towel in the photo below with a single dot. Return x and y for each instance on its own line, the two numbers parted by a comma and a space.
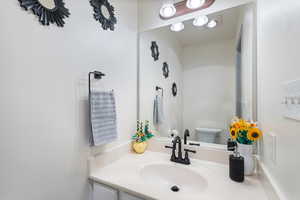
103, 118
158, 110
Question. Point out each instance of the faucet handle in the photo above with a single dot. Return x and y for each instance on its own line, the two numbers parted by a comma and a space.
168, 147
187, 160
191, 151
194, 144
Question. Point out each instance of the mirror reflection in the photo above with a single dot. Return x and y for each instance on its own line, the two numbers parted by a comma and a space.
205, 62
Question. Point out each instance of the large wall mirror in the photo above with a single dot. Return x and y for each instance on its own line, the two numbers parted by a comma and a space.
213, 66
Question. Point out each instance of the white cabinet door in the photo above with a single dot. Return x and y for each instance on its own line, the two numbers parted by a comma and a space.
125, 196
101, 192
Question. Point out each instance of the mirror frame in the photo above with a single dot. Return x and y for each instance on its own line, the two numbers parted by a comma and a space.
154, 51
107, 23
174, 89
166, 70
46, 15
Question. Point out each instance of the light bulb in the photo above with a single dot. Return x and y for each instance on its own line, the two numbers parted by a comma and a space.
194, 4
200, 21
167, 10
212, 24
177, 27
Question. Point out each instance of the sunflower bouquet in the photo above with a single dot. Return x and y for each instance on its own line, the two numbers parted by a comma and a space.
244, 132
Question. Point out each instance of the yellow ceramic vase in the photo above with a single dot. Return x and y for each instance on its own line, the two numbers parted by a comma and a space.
139, 147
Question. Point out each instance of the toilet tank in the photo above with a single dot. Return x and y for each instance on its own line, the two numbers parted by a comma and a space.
208, 135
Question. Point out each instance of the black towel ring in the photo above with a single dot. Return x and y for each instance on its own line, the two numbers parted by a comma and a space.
97, 75
157, 88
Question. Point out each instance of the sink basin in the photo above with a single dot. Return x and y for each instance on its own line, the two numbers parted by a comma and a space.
168, 177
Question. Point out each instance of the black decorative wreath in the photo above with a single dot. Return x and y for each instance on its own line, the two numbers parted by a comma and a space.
46, 15
154, 50
174, 89
165, 69
107, 23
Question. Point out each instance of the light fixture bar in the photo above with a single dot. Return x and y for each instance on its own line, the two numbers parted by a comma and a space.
194, 4
212, 24
177, 27
168, 9
182, 9
200, 20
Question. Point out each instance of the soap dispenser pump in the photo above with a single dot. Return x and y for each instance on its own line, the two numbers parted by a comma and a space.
236, 166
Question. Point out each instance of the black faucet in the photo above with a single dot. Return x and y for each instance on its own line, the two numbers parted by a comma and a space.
179, 158
186, 135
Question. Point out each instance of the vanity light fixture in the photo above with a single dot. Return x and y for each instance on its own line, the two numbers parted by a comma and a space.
194, 4
200, 21
212, 24
177, 27
168, 9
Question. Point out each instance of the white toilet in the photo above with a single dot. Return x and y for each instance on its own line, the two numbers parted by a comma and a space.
208, 135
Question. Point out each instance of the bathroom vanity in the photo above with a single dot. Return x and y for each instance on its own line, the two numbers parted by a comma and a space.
152, 175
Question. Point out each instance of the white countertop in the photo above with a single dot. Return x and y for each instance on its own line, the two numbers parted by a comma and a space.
124, 174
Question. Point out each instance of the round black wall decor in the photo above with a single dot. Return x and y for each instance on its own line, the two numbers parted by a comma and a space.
47, 15
165, 69
174, 89
104, 13
154, 50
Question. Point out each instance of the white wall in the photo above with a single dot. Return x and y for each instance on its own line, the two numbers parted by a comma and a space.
149, 12
151, 75
43, 84
278, 62
209, 86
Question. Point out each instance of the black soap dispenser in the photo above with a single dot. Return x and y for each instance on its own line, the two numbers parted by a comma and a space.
231, 145
236, 167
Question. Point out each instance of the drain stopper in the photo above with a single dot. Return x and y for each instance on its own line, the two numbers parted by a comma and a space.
175, 188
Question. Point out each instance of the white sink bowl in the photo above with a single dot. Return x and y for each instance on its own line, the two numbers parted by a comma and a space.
164, 176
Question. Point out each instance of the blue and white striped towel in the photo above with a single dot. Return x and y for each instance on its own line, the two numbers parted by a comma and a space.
103, 118
158, 110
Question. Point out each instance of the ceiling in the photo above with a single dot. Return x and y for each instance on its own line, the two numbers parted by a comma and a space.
225, 30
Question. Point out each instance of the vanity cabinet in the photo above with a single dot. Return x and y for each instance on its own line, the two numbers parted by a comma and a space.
126, 196
103, 192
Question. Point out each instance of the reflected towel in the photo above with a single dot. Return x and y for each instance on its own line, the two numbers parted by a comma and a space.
103, 118
158, 110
